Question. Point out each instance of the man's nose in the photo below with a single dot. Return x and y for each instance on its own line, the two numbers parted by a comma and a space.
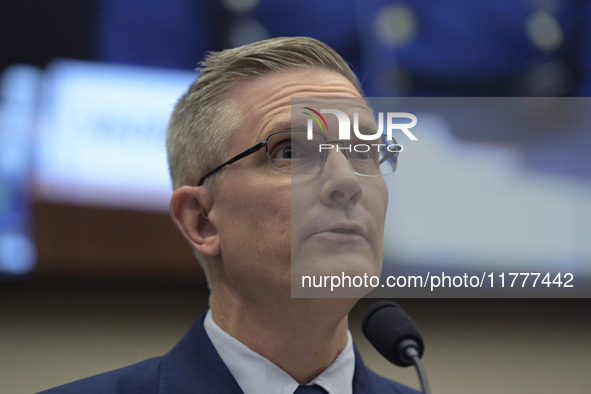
340, 184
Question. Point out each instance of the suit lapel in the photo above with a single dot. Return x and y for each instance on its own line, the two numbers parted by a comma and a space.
194, 367
361, 380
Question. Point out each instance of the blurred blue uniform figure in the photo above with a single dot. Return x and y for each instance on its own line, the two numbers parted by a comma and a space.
177, 33
476, 48
398, 47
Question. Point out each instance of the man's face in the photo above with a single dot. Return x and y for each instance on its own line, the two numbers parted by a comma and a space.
328, 222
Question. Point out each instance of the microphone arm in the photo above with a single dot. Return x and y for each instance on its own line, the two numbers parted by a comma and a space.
411, 352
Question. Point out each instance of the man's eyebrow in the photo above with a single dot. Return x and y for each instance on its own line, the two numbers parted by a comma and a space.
282, 126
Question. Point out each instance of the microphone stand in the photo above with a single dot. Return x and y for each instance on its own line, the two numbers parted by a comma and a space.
411, 353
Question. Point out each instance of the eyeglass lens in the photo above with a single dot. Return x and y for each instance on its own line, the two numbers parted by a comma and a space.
293, 153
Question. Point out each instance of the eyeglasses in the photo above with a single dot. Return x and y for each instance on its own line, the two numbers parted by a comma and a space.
291, 152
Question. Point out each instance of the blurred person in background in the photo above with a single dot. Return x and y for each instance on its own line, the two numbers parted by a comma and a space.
397, 47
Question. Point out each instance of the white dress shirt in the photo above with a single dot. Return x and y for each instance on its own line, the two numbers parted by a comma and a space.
257, 375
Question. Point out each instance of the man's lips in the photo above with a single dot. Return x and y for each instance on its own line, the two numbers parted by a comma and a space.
342, 230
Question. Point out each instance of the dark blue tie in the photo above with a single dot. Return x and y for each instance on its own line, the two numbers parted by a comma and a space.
311, 389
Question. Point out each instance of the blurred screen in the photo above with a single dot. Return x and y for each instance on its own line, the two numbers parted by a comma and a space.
101, 138
493, 184
474, 204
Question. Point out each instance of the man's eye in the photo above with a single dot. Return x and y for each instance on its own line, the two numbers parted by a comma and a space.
283, 150
361, 155
371, 154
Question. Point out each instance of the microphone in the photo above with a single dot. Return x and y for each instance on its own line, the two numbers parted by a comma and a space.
395, 336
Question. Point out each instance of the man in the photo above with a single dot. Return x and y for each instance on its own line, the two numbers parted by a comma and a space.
234, 160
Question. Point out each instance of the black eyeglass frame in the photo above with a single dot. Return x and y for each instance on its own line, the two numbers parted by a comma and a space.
391, 156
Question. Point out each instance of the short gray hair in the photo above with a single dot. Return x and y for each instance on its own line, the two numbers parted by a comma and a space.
205, 117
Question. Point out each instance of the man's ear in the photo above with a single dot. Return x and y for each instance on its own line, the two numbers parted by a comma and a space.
189, 207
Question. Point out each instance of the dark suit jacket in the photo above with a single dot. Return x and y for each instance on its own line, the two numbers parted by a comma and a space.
194, 367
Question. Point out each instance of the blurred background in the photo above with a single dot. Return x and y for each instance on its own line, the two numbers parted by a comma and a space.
93, 275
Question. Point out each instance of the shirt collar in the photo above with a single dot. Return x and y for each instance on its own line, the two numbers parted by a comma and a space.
256, 374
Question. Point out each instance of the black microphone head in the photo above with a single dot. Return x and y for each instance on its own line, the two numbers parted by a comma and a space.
386, 325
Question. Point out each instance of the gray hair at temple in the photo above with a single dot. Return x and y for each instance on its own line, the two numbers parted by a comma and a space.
205, 117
